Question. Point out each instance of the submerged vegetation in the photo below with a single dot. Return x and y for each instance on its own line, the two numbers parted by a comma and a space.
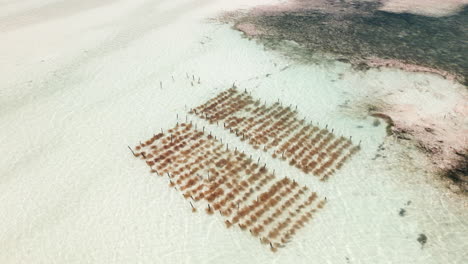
358, 31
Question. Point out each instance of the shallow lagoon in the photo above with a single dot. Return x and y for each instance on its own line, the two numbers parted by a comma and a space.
72, 192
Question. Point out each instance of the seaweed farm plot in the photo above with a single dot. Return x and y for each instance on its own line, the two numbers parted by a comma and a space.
279, 131
216, 178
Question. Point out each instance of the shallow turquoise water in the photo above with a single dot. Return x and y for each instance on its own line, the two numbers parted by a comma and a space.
72, 192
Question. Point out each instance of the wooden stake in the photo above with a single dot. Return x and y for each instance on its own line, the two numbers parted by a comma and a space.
131, 150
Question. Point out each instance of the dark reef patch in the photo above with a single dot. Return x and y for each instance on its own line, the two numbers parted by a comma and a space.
459, 173
402, 212
387, 119
422, 239
356, 31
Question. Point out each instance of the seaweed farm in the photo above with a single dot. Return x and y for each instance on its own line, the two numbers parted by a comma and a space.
216, 178
278, 130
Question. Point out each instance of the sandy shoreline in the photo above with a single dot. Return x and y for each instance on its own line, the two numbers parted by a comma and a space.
392, 63
441, 137
424, 7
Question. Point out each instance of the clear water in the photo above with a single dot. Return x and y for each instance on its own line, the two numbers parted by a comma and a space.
71, 191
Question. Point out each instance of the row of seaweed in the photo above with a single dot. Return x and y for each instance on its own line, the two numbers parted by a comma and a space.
228, 181
278, 129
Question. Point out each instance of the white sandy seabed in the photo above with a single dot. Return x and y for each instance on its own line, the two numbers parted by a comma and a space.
80, 85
